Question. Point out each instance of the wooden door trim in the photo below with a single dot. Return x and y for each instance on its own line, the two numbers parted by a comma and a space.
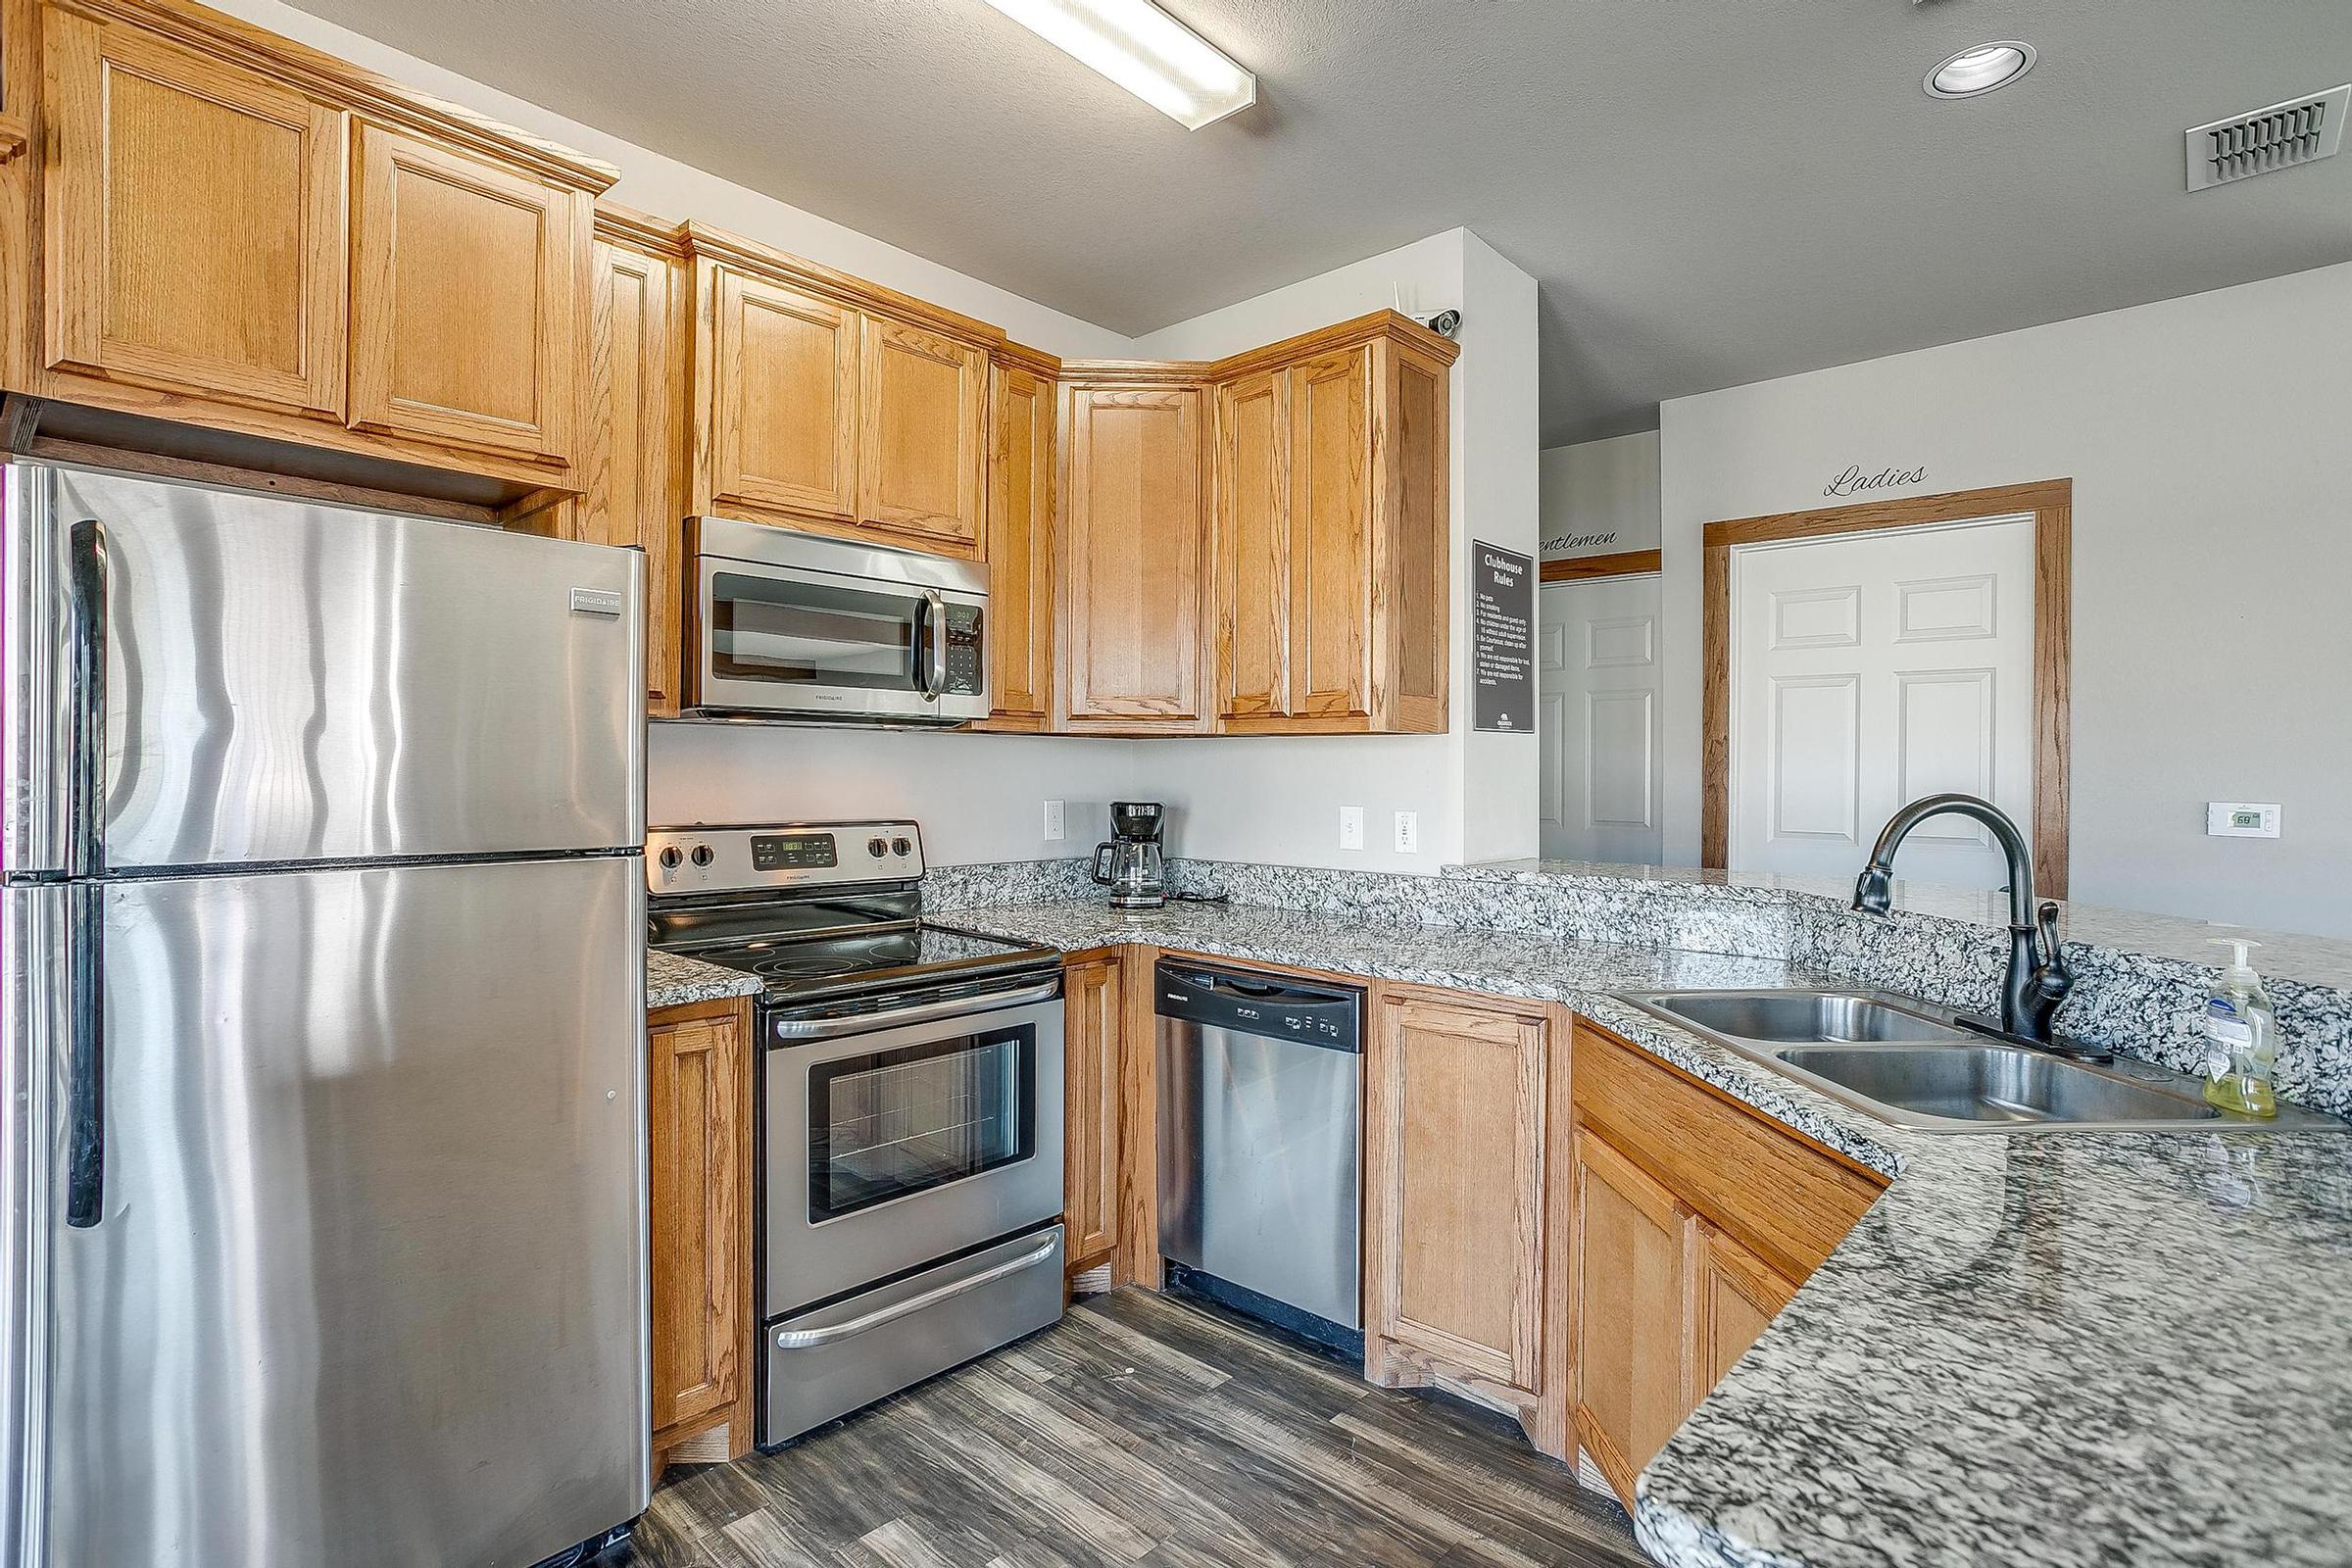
1623, 564
2050, 502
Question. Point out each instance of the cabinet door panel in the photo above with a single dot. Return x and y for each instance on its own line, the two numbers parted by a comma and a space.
636, 391
1459, 1113
1331, 535
1021, 548
698, 1111
1254, 548
1091, 1010
1634, 1243
195, 223
922, 416
1412, 597
784, 399
1735, 1296
1133, 555
469, 294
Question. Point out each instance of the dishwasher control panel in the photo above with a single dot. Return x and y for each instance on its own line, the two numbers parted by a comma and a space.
1279, 1008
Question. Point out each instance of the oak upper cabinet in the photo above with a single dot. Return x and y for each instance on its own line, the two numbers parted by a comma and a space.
635, 491
1332, 540
698, 1157
249, 237
1134, 556
778, 400
1464, 1125
469, 292
922, 463
195, 222
1090, 1017
1020, 545
1253, 547
1695, 1221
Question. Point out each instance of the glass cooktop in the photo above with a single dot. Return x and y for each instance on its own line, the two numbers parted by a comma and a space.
806, 967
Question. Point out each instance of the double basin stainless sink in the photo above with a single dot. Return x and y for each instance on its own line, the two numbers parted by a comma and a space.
1908, 1063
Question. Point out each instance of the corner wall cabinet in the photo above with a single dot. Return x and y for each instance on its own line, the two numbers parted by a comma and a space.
1697, 1220
699, 1141
245, 236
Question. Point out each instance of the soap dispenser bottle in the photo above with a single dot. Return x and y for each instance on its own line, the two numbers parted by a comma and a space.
2242, 1037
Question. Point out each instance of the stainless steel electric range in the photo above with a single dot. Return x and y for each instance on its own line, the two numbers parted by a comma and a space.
910, 1107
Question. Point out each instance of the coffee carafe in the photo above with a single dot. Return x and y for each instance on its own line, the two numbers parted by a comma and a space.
1129, 862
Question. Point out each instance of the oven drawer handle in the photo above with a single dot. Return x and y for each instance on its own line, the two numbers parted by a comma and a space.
812, 1338
920, 1012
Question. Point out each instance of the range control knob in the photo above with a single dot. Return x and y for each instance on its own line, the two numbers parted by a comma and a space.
704, 855
672, 858
877, 848
902, 846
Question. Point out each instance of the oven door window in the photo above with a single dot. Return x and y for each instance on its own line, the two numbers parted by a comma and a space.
788, 632
897, 1122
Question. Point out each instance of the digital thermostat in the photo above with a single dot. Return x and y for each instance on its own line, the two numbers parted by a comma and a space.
2236, 819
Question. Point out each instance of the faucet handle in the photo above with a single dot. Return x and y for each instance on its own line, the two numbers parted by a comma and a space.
2055, 979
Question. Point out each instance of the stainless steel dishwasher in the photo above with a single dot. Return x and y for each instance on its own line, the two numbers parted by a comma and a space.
1260, 1085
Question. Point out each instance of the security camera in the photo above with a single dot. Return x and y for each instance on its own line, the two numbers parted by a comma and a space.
1442, 322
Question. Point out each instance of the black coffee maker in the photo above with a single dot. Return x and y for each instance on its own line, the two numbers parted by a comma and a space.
1129, 863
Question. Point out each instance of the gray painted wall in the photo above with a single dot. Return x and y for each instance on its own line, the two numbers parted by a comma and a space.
2210, 442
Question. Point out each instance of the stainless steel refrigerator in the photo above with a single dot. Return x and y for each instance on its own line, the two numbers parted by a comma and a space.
323, 1159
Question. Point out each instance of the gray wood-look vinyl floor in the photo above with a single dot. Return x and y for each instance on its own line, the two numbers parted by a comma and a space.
1141, 1431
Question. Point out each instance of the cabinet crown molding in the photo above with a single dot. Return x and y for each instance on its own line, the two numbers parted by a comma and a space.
241, 45
706, 243
626, 225
1396, 328
1021, 357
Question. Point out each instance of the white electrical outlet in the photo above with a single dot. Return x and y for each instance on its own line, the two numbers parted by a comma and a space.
2236, 819
1057, 823
1408, 832
1352, 827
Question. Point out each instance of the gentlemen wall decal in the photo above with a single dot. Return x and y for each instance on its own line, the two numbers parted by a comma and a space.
1854, 481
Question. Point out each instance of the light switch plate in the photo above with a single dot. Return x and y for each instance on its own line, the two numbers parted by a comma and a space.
2241, 820
1408, 832
1352, 827
1056, 822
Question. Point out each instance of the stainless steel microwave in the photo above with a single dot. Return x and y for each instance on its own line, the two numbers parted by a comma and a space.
794, 625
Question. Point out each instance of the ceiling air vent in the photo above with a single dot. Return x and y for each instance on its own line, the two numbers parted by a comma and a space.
2301, 130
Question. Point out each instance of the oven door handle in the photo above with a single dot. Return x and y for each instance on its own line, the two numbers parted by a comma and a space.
813, 1339
800, 1029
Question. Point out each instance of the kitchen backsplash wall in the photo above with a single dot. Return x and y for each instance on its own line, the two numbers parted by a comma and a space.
2145, 1005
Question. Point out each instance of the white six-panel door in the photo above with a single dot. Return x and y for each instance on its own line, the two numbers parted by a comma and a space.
1597, 684
1869, 669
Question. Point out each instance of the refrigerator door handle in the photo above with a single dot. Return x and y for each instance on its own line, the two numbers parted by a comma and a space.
85, 809
85, 1054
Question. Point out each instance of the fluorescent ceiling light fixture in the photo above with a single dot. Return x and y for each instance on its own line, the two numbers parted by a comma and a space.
1146, 51
1981, 69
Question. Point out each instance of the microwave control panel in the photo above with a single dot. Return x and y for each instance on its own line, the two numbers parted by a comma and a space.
963, 650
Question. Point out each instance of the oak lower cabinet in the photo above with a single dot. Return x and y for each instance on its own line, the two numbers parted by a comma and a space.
635, 479
1091, 1018
1133, 555
1332, 541
1465, 1202
257, 241
699, 1144
1695, 1221
1020, 543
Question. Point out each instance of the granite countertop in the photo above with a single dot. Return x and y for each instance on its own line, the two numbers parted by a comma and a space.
2059, 1348
672, 980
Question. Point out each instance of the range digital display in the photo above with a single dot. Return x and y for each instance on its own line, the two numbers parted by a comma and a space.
793, 852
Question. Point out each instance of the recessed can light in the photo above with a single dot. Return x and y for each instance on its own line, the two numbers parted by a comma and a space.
1981, 69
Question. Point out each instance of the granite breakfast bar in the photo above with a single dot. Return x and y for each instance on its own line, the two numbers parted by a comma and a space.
2060, 1347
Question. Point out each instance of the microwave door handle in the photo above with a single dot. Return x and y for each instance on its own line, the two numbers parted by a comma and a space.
935, 643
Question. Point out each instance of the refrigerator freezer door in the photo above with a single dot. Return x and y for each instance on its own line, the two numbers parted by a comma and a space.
368, 1282
32, 1026
288, 681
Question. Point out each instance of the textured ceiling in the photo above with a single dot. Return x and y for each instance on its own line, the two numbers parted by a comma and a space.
1710, 191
